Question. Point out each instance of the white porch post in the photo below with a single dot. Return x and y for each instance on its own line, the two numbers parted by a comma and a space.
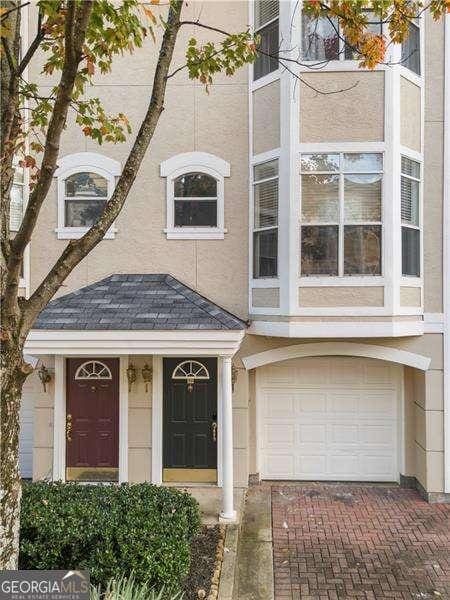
228, 513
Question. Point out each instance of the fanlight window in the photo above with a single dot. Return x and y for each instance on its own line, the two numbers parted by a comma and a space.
93, 370
190, 371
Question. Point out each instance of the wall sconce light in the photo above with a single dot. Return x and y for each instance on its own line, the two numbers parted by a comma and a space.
131, 375
234, 376
44, 376
147, 375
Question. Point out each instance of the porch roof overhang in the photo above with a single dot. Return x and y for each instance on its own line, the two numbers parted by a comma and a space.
135, 314
116, 343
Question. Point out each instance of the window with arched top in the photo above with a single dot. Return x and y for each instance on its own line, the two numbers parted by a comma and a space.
190, 369
195, 195
93, 369
86, 181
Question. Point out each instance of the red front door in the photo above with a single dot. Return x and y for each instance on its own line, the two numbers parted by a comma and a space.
92, 419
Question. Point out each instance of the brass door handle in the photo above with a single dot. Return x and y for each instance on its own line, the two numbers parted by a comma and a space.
214, 431
69, 428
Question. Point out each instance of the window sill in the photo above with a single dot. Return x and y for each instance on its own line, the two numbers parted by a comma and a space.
75, 233
193, 233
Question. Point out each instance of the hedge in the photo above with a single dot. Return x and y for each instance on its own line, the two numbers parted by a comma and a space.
109, 530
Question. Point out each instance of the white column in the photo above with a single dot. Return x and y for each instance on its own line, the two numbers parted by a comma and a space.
228, 513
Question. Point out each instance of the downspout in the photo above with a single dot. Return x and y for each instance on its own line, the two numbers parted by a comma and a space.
446, 255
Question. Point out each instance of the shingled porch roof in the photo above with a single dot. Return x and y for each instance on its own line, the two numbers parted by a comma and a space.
136, 302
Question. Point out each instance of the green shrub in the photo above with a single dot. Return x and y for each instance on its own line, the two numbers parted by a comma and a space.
109, 530
127, 588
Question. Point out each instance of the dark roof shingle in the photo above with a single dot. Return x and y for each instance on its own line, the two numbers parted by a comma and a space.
136, 302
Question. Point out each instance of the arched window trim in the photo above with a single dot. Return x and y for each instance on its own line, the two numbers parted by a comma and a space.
191, 373
77, 163
200, 162
79, 377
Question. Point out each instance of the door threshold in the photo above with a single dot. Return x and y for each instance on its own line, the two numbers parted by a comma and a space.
189, 484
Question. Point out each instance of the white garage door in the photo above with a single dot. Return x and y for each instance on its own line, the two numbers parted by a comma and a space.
26, 435
329, 418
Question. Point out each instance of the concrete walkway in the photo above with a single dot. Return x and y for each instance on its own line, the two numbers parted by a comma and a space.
254, 569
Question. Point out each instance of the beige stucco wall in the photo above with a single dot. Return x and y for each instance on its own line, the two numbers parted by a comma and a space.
266, 118
266, 297
410, 296
193, 120
433, 167
410, 115
43, 403
356, 114
341, 296
139, 424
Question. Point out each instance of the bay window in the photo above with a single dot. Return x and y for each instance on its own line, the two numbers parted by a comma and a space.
265, 220
411, 48
267, 27
323, 38
17, 196
410, 215
341, 207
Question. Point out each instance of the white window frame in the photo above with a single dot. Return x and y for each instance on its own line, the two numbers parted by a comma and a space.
419, 228
341, 222
78, 163
275, 72
199, 162
255, 229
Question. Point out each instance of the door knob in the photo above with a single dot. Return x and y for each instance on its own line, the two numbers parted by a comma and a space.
69, 428
214, 431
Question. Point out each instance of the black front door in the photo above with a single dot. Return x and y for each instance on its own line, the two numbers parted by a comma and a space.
190, 419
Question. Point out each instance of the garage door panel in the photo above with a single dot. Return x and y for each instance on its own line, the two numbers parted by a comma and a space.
309, 464
279, 466
380, 434
311, 433
279, 405
320, 430
279, 435
311, 402
343, 402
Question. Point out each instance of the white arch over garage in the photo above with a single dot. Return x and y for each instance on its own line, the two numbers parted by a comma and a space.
410, 359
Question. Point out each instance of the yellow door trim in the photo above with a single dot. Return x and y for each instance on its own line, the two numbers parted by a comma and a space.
190, 475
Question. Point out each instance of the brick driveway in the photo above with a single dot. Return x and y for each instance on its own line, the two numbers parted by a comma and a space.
353, 541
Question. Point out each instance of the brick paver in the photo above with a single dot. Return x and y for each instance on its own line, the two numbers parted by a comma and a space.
354, 541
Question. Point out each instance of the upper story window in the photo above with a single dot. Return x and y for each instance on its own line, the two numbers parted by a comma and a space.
341, 207
195, 200
323, 40
267, 27
85, 183
265, 220
410, 215
195, 195
85, 197
411, 48
17, 197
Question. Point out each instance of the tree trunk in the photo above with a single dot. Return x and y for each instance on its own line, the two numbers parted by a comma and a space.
12, 375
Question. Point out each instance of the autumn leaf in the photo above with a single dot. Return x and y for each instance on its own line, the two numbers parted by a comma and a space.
27, 161
150, 15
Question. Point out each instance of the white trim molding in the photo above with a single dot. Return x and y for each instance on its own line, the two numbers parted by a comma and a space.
76, 163
334, 329
402, 357
201, 162
114, 343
